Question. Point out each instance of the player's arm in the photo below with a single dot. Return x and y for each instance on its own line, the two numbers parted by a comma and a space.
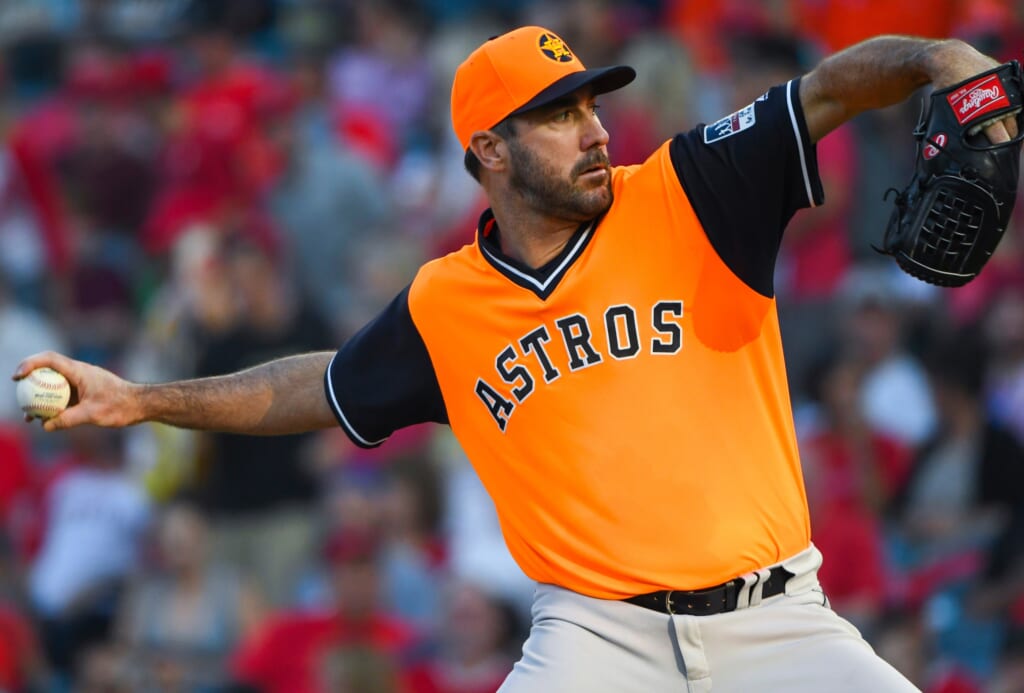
884, 71
278, 397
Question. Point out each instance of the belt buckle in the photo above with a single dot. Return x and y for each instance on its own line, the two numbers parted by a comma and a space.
668, 602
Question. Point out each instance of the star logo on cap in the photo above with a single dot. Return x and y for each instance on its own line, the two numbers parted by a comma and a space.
554, 48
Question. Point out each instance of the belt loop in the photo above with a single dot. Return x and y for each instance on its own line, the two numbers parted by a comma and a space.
757, 589
743, 596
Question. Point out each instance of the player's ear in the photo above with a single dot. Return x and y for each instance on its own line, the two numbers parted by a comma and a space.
490, 149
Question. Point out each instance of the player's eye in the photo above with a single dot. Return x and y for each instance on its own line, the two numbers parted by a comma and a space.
563, 116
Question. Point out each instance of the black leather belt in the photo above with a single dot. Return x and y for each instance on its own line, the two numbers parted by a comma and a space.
712, 600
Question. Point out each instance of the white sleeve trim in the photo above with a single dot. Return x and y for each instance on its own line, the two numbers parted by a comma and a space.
341, 415
799, 143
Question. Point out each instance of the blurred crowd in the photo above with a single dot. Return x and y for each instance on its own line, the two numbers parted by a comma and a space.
191, 187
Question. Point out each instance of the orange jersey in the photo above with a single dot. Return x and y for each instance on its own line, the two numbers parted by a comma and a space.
626, 405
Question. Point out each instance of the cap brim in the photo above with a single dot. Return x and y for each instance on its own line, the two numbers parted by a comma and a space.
603, 79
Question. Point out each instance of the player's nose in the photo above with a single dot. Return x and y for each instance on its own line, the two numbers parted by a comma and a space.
594, 135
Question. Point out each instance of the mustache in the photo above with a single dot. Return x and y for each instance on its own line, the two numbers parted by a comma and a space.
596, 158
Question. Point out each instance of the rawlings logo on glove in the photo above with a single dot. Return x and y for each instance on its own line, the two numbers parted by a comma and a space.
978, 98
952, 215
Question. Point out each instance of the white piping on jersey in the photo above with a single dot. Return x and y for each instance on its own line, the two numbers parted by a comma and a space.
341, 414
799, 142
542, 285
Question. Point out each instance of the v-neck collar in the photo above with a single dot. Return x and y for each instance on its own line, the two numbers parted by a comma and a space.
542, 280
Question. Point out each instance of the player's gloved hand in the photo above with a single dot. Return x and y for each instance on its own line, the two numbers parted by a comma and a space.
97, 396
951, 216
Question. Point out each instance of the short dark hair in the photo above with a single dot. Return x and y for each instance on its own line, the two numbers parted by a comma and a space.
959, 361
506, 129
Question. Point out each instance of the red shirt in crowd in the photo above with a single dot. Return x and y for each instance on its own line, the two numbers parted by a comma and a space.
288, 654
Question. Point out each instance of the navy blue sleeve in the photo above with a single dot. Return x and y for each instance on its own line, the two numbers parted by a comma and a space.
382, 379
746, 175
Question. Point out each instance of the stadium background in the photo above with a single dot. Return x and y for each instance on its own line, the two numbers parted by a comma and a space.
190, 187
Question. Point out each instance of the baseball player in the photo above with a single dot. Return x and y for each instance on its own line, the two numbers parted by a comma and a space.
607, 352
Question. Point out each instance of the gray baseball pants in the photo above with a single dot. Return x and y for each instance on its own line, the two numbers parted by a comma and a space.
792, 642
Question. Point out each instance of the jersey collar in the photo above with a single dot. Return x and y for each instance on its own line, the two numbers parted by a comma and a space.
542, 280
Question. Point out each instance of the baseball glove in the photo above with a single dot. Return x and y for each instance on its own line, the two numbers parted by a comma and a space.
950, 217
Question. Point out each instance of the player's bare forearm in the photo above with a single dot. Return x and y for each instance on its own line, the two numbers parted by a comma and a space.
278, 397
881, 72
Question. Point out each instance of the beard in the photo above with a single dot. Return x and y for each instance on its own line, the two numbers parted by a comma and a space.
543, 188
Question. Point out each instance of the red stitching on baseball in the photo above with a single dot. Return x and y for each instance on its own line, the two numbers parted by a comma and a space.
37, 380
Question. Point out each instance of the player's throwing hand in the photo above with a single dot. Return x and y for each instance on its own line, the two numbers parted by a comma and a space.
97, 396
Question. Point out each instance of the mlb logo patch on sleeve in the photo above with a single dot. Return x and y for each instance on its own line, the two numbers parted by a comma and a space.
729, 125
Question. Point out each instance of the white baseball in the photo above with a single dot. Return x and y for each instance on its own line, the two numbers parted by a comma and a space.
43, 393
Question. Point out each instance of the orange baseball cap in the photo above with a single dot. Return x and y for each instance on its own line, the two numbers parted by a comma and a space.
518, 71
